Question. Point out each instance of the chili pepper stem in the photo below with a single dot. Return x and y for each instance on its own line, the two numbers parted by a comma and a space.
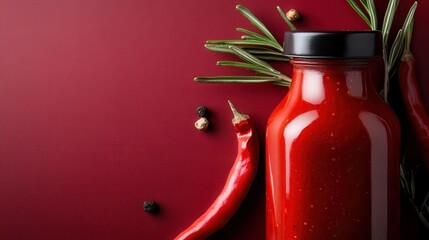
238, 117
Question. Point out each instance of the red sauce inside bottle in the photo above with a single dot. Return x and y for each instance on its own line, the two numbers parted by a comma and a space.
332, 152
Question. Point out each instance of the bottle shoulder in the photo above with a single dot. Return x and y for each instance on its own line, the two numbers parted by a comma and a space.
335, 114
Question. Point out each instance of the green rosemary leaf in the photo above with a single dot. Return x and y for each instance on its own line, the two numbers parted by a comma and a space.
249, 66
427, 206
359, 11
386, 84
242, 79
267, 54
251, 59
396, 50
364, 4
283, 15
251, 33
425, 203
260, 37
388, 19
219, 48
404, 181
412, 185
410, 15
398, 44
273, 58
236, 79
282, 83
246, 42
372, 12
264, 51
248, 37
408, 23
276, 75
255, 21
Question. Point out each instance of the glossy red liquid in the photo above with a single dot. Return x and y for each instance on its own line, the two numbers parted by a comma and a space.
333, 149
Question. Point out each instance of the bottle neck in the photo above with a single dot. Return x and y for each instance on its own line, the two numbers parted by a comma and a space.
316, 80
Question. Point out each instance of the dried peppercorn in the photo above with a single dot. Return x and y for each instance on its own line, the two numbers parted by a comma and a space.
202, 111
202, 124
151, 207
292, 15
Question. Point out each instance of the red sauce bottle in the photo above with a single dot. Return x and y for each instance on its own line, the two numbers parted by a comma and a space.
332, 144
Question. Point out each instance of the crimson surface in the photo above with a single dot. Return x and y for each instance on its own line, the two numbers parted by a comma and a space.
97, 106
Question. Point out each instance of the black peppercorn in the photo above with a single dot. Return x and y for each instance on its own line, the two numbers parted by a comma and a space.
151, 207
202, 111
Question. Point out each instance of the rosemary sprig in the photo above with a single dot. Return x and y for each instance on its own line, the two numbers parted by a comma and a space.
388, 19
392, 57
254, 49
370, 7
258, 66
370, 17
256, 22
408, 186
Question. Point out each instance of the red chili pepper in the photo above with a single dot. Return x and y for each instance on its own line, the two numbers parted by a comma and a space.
237, 185
416, 112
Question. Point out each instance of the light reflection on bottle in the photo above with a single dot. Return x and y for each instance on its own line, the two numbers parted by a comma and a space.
354, 84
313, 90
291, 132
376, 129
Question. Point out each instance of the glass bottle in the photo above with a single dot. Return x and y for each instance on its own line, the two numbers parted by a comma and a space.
332, 144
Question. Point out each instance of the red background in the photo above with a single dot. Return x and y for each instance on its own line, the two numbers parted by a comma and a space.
97, 106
